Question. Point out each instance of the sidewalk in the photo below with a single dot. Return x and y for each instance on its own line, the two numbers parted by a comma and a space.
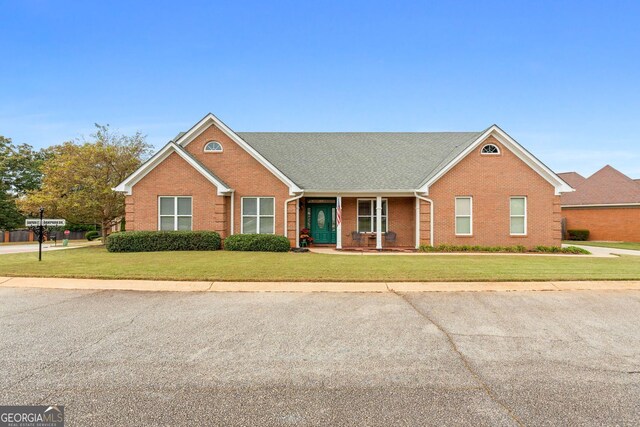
16, 248
177, 286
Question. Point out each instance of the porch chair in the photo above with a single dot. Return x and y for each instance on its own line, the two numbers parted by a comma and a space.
390, 237
357, 238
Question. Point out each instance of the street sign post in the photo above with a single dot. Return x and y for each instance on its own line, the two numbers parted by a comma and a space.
38, 225
45, 222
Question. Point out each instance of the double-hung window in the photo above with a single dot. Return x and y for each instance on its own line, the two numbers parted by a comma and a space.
464, 216
258, 215
175, 213
518, 216
367, 215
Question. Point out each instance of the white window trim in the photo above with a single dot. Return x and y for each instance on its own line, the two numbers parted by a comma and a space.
518, 216
490, 154
257, 215
373, 215
213, 151
470, 216
175, 210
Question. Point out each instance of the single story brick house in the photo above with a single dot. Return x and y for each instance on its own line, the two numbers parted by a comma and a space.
350, 189
607, 204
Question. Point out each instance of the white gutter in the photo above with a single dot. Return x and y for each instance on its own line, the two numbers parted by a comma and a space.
286, 214
415, 193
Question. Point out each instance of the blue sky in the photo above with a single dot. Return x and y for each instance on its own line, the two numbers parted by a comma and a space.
561, 77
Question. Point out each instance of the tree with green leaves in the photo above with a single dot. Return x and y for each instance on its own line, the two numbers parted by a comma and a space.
20, 172
79, 176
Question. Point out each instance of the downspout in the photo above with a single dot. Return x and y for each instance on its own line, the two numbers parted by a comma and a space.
286, 215
426, 199
233, 196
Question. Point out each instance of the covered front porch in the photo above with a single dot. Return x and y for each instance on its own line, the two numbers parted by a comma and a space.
360, 222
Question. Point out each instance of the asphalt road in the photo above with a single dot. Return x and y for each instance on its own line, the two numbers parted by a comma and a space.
140, 358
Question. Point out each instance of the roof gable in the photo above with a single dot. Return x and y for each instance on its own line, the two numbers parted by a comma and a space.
126, 186
184, 138
507, 142
608, 186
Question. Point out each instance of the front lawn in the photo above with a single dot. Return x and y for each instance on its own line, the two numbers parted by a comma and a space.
96, 262
616, 245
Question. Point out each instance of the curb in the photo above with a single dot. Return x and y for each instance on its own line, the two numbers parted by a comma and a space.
343, 287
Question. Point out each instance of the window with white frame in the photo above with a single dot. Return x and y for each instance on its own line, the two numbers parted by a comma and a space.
490, 149
213, 147
175, 213
464, 216
258, 215
367, 215
518, 216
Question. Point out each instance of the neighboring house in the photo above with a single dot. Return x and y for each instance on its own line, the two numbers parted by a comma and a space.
607, 204
391, 189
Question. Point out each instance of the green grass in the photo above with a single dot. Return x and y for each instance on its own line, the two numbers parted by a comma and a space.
616, 245
96, 262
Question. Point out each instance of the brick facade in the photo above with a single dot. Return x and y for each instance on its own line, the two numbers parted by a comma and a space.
490, 179
175, 177
607, 223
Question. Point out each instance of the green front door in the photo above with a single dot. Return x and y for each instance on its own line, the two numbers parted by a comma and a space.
323, 226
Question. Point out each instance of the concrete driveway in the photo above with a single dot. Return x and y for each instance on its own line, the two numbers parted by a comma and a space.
600, 251
145, 358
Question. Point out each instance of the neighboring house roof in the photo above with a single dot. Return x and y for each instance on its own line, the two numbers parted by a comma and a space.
126, 185
358, 161
608, 186
572, 178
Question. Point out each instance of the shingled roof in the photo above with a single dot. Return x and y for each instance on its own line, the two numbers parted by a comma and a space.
608, 186
357, 161
572, 178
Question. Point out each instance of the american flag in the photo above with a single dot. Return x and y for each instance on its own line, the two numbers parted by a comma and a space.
339, 210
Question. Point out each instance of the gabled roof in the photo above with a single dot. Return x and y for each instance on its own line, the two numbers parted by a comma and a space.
184, 138
572, 178
352, 161
509, 143
126, 185
608, 186
358, 161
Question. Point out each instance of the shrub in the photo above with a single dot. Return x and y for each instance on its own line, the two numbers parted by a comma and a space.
476, 248
153, 241
92, 235
509, 249
559, 250
580, 235
257, 243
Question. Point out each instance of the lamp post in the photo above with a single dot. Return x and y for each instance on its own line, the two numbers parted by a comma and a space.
40, 234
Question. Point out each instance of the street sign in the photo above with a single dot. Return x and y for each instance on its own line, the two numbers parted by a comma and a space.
45, 222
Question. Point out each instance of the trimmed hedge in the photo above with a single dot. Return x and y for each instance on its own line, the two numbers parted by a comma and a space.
580, 235
558, 250
469, 248
92, 235
153, 241
504, 249
257, 243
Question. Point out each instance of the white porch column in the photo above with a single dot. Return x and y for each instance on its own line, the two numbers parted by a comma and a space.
379, 223
297, 223
339, 225
417, 223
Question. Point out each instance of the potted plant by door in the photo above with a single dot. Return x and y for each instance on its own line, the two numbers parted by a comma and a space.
305, 237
